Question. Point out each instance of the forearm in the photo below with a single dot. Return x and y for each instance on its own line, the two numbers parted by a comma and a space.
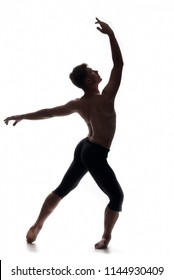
115, 50
38, 115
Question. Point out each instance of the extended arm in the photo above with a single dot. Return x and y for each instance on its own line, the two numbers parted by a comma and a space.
115, 77
59, 111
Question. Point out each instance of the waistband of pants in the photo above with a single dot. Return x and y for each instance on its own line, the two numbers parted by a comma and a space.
96, 144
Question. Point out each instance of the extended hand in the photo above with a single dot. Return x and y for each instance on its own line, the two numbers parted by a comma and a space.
104, 27
13, 118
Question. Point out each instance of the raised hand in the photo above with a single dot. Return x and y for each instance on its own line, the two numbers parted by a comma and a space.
104, 27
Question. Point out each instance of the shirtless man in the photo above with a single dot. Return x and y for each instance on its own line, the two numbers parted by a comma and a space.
97, 110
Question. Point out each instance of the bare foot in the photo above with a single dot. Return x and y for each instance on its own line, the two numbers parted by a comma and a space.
32, 234
102, 244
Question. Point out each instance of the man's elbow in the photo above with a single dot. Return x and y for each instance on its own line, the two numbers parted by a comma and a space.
121, 62
119, 65
47, 113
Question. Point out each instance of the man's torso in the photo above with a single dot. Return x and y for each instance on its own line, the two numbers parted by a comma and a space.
99, 114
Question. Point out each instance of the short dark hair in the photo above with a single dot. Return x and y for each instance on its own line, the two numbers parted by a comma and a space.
78, 75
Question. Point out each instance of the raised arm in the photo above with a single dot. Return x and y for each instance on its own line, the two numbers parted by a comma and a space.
115, 77
63, 110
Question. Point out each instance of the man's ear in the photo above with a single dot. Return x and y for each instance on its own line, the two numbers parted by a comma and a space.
88, 81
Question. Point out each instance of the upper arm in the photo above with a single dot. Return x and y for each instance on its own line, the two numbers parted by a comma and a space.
64, 110
114, 81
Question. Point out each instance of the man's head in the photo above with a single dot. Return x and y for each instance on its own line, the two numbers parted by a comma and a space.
84, 77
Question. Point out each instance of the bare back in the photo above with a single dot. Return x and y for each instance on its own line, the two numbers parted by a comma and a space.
99, 114
98, 109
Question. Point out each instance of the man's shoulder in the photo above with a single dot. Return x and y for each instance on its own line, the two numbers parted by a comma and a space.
75, 101
75, 104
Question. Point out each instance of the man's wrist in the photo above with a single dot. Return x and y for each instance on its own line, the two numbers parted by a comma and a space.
111, 33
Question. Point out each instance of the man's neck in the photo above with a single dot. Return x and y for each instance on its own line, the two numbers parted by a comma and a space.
92, 92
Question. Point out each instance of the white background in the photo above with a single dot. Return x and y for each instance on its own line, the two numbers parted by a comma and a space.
41, 41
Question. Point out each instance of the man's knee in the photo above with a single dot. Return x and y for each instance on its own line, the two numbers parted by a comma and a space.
116, 201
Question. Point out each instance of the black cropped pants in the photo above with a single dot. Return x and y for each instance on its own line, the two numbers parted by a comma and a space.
89, 156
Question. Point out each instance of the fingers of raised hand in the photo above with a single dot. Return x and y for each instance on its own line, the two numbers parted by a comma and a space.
99, 28
97, 20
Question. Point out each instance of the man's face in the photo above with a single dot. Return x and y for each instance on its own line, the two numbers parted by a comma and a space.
93, 75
